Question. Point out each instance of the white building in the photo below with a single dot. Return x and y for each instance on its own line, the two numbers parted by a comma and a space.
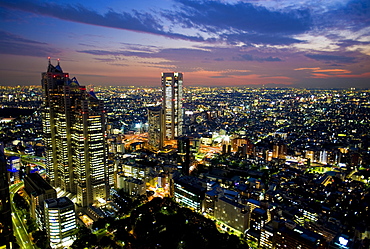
60, 221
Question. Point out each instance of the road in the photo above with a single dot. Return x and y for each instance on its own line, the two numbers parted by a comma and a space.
19, 229
26, 158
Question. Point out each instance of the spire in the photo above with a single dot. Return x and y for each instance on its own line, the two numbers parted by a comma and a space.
58, 66
52, 69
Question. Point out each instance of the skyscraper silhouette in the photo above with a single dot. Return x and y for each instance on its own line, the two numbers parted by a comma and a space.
6, 228
172, 104
74, 136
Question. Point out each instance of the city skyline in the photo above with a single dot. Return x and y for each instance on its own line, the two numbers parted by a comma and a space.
270, 43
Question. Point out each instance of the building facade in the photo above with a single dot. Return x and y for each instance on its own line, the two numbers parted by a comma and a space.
38, 190
74, 137
131, 186
60, 221
155, 133
232, 213
172, 104
188, 191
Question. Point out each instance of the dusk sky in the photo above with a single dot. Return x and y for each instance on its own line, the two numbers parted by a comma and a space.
305, 43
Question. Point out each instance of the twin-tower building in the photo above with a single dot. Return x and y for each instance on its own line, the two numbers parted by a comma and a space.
166, 121
74, 127
74, 135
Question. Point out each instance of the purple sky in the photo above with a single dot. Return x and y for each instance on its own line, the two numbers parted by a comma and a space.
306, 43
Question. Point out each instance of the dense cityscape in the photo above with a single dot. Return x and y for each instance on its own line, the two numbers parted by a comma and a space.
183, 167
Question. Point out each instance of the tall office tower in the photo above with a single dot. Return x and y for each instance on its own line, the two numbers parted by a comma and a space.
155, 133
172, 104
60, 221
183, 147
6, 229
74, 136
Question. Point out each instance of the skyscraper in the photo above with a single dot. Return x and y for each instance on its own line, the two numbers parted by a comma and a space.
155, 133
6, 229
172, 104
74, 136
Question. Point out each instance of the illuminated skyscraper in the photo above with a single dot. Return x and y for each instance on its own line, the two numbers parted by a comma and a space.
172, 104
74, 136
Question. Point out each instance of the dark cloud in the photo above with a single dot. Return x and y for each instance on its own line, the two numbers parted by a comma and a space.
237, 73
332, 58
349, 43
105, 59
8, 37
102, 52
231, 23
219, 76
241, 22
136, 21
254, 38
355, 15
240, 16
87, 45
170, 53
249, 57
17, 45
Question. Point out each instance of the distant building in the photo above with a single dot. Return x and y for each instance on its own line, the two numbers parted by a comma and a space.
292, 236
267, 235
15, 164
172, 104
187, 146
131, 186
137, 171
6, 228
60, 221
210, 202
189, 192
232, 213
74, 136
155, 133
279, 150
183, 152
258, 219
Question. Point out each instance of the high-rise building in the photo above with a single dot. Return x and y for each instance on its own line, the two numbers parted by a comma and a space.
6, 229
155, 133
172, 104
74, 136
60, 221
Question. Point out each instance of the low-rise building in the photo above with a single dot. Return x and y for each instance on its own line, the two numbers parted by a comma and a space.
60, 221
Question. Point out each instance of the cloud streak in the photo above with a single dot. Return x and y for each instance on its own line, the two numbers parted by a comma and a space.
17, 45
249, 57
332, 58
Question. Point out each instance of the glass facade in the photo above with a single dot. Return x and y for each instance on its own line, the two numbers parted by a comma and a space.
172, 104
